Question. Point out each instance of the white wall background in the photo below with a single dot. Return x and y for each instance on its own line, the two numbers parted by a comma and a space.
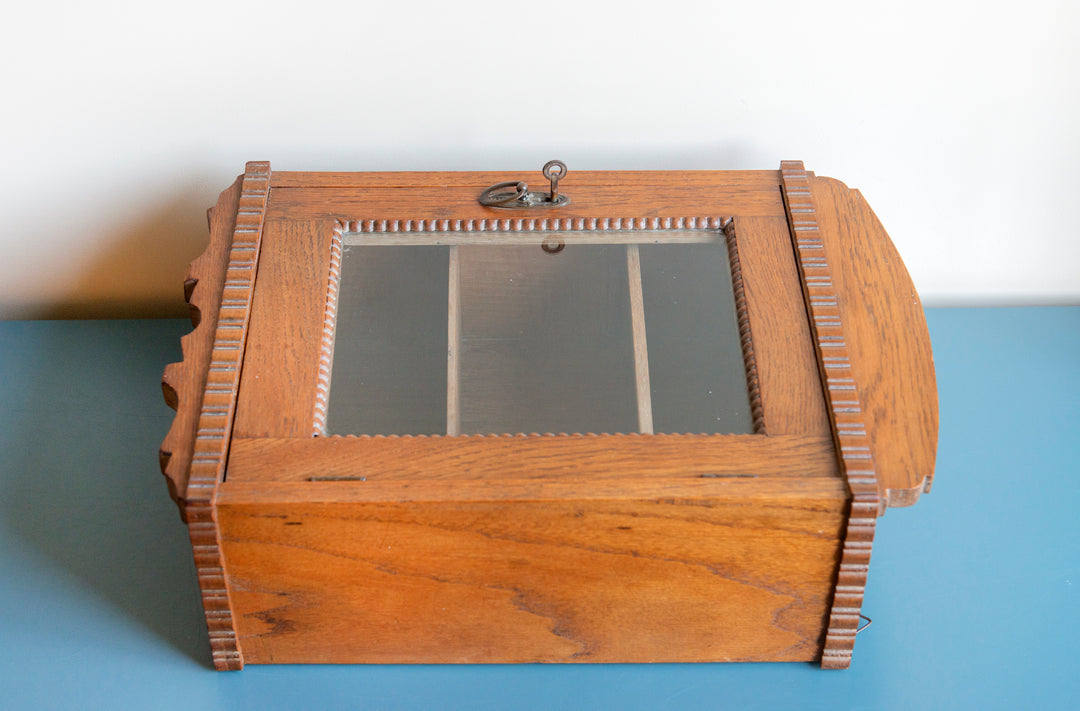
959, 120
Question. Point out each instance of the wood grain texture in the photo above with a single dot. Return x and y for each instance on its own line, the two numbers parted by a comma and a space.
643, 576
850, 426
671, 199
217, 408
888, 341
523, 456
282, 361
585, 486
753, 385
183, 383
746, 181
792, 401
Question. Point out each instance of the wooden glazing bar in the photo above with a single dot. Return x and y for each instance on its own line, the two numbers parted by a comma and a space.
641, 346
453, 351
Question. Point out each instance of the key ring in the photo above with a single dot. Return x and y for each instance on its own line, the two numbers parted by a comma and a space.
554, 177
491, 197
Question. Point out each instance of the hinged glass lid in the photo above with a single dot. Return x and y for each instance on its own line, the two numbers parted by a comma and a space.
490, 331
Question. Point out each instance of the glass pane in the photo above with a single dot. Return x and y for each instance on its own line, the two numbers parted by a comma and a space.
696, 366
389, 374
546, 340
506, 332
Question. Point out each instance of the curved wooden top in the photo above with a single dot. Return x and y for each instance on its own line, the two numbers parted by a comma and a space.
892, 361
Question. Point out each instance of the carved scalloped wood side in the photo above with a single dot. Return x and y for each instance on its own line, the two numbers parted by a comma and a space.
203, 388
183, 383
890, 343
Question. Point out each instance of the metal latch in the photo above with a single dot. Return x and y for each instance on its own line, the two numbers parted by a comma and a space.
515, 193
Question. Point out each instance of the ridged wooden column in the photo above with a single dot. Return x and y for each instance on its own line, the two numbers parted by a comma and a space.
845, 412
217, 408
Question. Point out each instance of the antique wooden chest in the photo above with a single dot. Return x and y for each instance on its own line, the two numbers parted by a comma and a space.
636, 417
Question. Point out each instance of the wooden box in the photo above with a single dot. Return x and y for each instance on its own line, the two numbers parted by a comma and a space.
655, 424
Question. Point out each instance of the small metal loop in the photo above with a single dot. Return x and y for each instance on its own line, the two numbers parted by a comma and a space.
868, 623
499, 197
554, 164
492, 197
552, 246
554, 177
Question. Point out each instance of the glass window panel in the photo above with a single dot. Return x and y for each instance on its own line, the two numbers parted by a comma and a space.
696, 368
546, 340
505, 332
389, 373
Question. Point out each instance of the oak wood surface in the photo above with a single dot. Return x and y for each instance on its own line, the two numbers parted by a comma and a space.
791, 396
744, 180
524, 456
281, 364
183, 383
683, 489
889, 342
746, 341
459, 202
548, 579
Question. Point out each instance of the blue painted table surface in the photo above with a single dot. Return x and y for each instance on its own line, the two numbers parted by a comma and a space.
973, 591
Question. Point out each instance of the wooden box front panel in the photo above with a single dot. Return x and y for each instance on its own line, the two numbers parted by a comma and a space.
653, 570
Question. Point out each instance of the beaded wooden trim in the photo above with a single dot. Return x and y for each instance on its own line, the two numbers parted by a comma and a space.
326, 352
538, 224
573, 224
845, 414
216, 414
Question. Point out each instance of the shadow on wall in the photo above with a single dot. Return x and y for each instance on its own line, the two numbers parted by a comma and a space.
139, 271
83, 505
140, 266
